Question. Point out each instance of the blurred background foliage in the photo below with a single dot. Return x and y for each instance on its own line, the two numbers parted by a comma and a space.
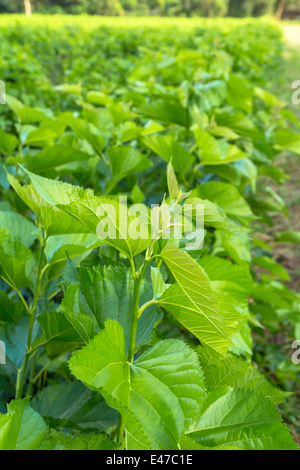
208, 8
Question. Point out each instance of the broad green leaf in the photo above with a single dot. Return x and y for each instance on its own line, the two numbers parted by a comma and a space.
86, 131
8, 142
57, 328
216, 152
214, 216
168, 148
84, 323
222, 272
274, 268
173, 188
186, 443
241, 418
16, 261
231, 285
165, 111
107, 292
11, 311
230, 370
49, 130
19, 226
58, 247
55, 221
239, 93
26, 114
237, 247
240, 123
125, 160
73, 406
288, 236
191, 301
60, 441
242, 341
21, 428
286, 139
158, 284
14, 337
228, 198
72, 88
54, 157
88, 209
158, 395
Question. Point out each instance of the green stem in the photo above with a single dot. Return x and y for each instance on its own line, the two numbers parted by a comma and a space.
23, 371
138, 277
134, 315
32, 371
120, 430
146, 305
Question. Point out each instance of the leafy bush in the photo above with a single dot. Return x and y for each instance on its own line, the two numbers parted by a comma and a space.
119, 342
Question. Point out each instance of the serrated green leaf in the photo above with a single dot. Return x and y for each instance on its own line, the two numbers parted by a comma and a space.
21, 428
241, 418
230, 370
154, 407
73, 406
192, 301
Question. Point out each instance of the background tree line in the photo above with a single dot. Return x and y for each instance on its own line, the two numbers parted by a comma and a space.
208, 8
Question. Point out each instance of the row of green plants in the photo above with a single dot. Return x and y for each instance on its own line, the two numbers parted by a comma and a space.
142, 343
210, 8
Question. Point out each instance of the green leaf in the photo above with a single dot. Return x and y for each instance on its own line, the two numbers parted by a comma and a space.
26, 114
125, 160
15, 339
286, 139
58, 247
168, 148
47, 132
11, 311
228, 198
241, 418
224, 273
165, 111
8, 142
81, 442
21, 428
55, 221
16, 261
158, 395
158, 284
230, 370
274, 268
21, 227
192, 300
85, 130
172, 182
216, 152
73, 406
57, 328
107, 292
88, 209
53, 157
214, 216
288, 236
239, 93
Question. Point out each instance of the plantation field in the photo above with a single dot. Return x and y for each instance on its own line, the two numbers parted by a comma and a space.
128, 326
